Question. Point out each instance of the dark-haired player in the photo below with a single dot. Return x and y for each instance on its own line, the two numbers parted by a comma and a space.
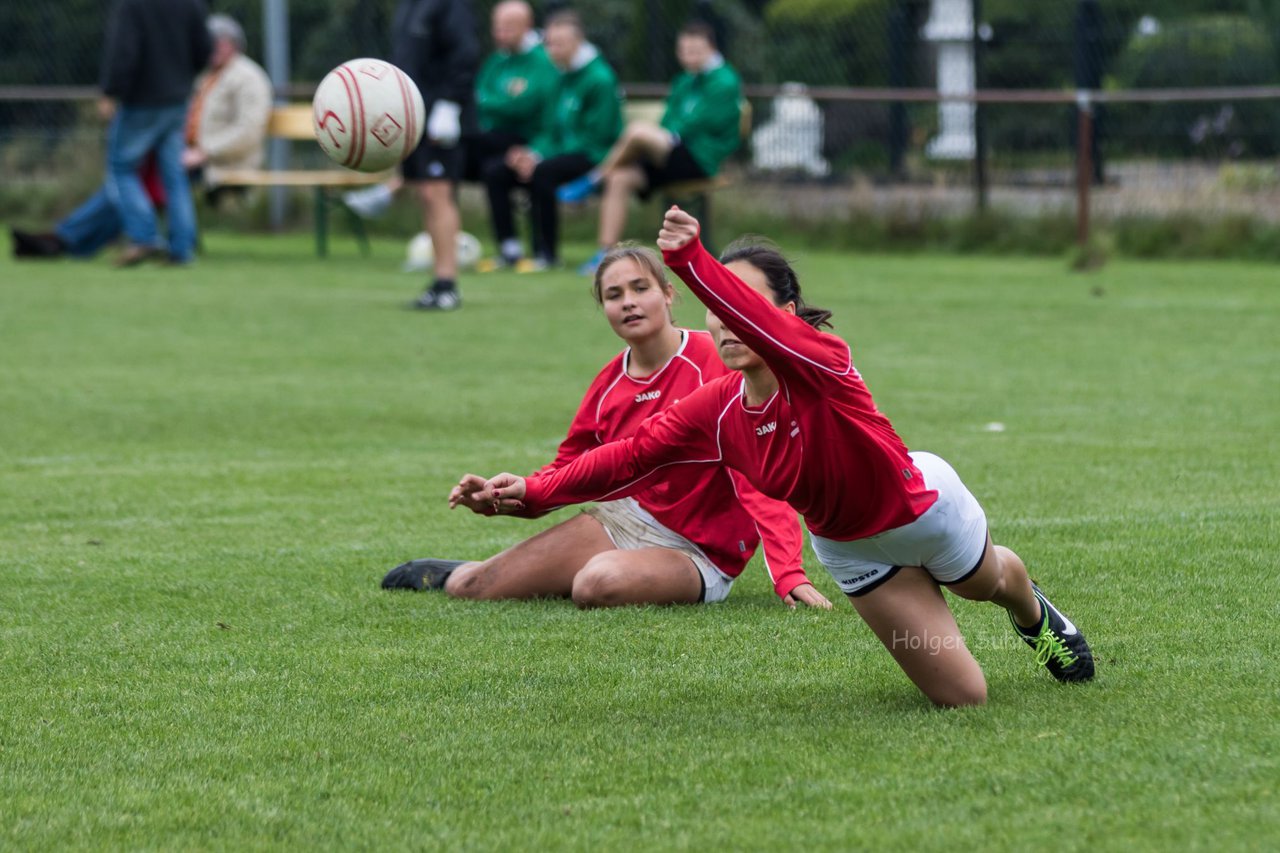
891, 526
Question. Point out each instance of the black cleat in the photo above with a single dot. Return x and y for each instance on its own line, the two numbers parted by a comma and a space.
437, 300
1060, 647
420, 574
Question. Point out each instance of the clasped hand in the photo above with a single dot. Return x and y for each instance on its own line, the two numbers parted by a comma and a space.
497, 495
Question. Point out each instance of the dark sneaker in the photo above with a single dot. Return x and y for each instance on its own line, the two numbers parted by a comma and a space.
420, 574
29, 245
1060, 647
438, 300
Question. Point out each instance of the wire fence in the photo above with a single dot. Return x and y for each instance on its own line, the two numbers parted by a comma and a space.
928, 105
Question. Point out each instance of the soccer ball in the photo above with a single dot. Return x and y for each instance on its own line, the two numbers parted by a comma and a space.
421, 255
367, 115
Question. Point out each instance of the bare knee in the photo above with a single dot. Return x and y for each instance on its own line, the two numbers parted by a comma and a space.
599, 584
468, 581
959, 693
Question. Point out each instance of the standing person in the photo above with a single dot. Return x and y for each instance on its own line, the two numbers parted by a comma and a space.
583, 120
434, 42
891, 527
700, 127
154, 49
226, 127
683, 539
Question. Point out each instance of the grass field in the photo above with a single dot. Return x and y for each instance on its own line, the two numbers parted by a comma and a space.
205, 473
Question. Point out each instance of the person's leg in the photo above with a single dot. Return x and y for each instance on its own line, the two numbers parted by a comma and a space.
90, 226
952, 542
639, 141
499, 181
619, 185
1002, 578
180, 207
912, 620
543, 565
132, 134
642, 576
443, 222
548, 175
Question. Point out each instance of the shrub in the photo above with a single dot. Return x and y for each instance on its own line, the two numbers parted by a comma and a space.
1212, 50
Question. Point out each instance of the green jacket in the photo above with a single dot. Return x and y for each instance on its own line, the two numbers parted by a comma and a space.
704, 109
585, 113
513, 89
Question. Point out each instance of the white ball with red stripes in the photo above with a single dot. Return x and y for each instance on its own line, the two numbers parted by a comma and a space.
368, 115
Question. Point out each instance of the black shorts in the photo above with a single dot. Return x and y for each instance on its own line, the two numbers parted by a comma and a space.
680, 167
431, 162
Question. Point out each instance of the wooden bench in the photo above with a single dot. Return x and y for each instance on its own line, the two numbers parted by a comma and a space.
695, 195
293, 122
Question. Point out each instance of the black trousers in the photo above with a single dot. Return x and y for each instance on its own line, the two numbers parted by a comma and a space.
499, 180
484, 147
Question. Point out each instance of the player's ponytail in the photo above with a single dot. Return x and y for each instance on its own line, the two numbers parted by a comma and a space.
784, 284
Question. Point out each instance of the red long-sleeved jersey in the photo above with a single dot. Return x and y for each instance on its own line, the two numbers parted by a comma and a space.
819, 443
706, 503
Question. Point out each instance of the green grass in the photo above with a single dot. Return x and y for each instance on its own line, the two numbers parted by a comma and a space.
205, 472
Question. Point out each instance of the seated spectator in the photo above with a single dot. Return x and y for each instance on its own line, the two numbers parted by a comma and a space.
581, 121
698, 130
226, 128
227, 120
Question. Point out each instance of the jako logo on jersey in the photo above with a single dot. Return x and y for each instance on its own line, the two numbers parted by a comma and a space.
767, 428
648, 395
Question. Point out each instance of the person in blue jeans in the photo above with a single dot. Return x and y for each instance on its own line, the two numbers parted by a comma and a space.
153, 51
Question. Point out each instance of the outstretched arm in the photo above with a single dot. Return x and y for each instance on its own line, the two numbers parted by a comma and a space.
787, 344
683, 433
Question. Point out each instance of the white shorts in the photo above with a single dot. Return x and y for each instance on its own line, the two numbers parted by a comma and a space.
631, 526
948, 541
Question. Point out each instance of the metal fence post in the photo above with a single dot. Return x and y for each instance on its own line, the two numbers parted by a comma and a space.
1084, 163
275, 28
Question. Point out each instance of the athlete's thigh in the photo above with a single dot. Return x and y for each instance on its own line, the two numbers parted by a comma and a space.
983, 582
542, 565
638, 576
910, 616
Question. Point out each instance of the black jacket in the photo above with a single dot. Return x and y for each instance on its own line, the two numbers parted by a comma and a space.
154, 50
435, 43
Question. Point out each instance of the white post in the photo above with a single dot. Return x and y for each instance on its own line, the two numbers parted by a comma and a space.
950, 27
